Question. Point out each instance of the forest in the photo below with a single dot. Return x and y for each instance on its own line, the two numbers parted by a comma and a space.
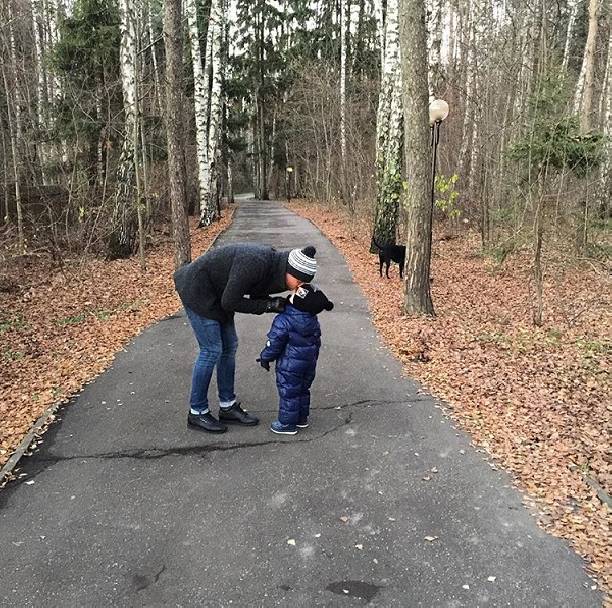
129, 128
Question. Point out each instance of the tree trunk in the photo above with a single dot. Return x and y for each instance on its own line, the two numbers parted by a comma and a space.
389, 123
121, 242
201, 102
41, 89
15, 129
604, 195
434, 45
571, 20
153, 51
419, 211
262, 190
343, 41
174, 131
583, 99
468, 115
216, 108
538, 234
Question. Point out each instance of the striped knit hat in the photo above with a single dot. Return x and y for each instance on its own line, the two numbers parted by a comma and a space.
301, 264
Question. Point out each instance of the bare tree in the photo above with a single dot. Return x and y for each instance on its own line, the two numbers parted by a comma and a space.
583, 99
174, 130
389, 134
419, 211
122, 238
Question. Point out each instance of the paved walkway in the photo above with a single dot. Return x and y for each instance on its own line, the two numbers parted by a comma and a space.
130, 508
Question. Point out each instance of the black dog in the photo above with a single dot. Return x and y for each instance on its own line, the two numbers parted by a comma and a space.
391, 253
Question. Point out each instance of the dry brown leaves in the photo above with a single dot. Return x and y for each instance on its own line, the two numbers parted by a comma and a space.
62, 329
538, 400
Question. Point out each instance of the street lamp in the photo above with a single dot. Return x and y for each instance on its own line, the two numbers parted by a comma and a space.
289, 171
438, 111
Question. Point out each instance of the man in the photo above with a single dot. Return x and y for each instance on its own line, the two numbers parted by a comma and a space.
223, 281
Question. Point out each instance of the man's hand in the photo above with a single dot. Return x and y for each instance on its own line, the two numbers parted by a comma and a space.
264, 364
275, 305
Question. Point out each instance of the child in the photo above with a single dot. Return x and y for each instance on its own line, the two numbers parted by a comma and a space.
293, 342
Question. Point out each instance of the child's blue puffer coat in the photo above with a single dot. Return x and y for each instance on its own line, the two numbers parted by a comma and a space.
294, 341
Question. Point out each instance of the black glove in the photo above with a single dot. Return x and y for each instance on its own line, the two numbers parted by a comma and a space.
264, 364
275, 305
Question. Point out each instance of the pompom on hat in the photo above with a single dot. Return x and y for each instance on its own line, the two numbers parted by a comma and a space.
302, 264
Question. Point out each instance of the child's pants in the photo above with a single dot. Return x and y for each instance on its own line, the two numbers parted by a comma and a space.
294, 393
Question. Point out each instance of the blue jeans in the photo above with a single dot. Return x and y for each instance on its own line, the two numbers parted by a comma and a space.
218, 343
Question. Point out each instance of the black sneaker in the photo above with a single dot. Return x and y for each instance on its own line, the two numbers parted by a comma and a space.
236, 415
205, 422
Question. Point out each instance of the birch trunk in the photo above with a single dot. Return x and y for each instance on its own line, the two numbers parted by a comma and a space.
174, 131
389, 135
468, 115
38, 34
217, 22
15, 129
200, 99
573, 12
343, 31
583, 99
434, 46
153, 50
605, 184
382, 28
419, 212
122, 239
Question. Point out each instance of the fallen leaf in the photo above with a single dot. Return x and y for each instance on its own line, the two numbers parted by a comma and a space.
291, 541
431, 538
491, 579
344, 519
359, 546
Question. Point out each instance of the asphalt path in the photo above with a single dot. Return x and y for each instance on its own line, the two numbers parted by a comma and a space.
381, 502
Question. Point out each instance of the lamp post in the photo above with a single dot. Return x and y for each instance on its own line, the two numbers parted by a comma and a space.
438, 111
288, 173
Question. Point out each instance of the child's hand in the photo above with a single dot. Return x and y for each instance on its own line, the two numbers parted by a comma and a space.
264, 364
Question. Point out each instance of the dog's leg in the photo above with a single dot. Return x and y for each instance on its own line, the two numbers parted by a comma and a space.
381, 265
387, 270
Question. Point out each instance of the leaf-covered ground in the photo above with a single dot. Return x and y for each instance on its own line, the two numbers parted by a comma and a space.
537, 400
59, 329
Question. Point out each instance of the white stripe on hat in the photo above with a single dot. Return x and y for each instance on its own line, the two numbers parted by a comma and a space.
302, 263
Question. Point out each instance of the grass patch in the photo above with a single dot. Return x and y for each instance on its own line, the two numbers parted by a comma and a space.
103, 314
16, 324
73, 320
12, 355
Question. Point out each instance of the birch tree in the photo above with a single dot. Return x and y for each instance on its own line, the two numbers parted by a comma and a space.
605, 184
572, 7
434, 46
389, 134
122, 238
217, 23
344, 25
15, 124
583, 99
201, 102
174, 131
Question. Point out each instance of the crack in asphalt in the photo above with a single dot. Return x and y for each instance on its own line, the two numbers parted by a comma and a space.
203, 450
196, 450
363, 404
